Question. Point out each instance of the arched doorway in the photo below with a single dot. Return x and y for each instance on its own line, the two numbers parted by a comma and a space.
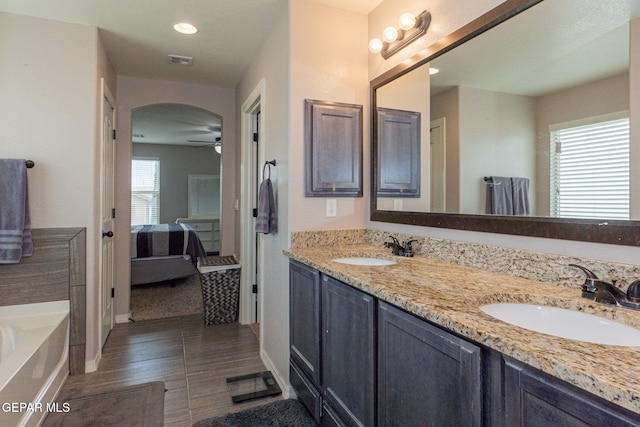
176, 177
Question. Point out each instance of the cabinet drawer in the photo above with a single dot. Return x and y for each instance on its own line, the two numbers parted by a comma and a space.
205, 236
200, 226
305, 391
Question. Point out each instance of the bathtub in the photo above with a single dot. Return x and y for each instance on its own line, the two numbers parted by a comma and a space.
34, 360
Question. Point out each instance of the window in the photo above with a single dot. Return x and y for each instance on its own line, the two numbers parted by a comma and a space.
590, 168
145, 191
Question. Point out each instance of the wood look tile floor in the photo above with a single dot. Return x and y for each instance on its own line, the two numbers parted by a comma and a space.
193, 359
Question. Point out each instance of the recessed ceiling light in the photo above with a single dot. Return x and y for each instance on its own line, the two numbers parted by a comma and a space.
185, 28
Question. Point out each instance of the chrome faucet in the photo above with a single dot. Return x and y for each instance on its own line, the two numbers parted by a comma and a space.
404, 249
608, 293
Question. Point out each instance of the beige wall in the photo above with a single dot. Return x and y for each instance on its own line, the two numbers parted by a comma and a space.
497, 138
134, 93
272, 65
302, 60
49, 112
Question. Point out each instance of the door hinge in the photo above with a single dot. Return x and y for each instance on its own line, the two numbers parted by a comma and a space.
254, 212
113, 213
113, 292
255, 137
254, 289
113, 134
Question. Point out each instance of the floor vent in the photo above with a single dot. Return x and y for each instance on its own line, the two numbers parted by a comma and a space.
181, 60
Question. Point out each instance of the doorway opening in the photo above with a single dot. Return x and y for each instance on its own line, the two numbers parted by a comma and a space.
176, 188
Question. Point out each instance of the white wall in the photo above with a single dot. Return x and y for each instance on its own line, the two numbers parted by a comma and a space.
176, 164
133, 93
49, 112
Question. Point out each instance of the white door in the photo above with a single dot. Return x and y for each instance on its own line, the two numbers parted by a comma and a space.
438, 169
107, 212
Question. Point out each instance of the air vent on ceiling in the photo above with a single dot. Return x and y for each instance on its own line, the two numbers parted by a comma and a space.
181, 60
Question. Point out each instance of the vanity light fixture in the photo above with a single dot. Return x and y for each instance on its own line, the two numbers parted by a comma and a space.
185, 28
393, 39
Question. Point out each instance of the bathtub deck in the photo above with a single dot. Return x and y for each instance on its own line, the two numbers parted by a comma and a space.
192, 359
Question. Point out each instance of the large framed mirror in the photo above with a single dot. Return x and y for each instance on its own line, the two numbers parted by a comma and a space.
507, 111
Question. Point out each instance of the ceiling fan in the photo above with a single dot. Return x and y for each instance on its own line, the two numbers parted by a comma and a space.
217, 144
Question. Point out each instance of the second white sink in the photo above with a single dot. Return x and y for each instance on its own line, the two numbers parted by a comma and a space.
565, 323
364, 261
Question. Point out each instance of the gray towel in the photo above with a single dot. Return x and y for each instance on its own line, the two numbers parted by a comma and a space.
507, 196
15, 220
499, 196
267, 220
520, 195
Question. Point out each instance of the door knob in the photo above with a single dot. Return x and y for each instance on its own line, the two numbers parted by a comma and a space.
107, 234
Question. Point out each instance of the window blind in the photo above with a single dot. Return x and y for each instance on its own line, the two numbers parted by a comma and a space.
145, 191
590, 170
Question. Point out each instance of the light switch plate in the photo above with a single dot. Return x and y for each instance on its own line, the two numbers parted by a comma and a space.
332, 208
397, 204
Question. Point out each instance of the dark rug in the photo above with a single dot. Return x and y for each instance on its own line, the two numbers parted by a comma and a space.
281, 413
140, 405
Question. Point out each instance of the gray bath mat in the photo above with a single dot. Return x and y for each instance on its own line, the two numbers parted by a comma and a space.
140, 405
281, 413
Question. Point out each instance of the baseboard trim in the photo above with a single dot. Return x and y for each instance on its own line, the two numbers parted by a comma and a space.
92, 365
123, 318
287, 390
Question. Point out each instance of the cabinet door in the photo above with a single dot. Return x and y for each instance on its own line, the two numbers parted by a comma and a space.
348, 367
426, 376
304, 319
398, 153
533, 398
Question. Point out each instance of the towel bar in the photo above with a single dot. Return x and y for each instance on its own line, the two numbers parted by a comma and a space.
29, 163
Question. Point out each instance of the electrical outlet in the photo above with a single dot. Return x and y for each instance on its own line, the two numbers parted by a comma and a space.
332, 208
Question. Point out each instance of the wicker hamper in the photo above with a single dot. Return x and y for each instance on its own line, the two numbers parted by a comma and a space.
220, 278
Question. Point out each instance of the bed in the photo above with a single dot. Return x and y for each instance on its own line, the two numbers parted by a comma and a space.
163, 252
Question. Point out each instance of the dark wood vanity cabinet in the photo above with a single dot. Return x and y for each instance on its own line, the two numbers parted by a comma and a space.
356, 360
348, 353
533, 398
426, 376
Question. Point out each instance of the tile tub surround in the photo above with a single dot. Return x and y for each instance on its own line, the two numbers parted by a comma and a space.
56, 271
450, 295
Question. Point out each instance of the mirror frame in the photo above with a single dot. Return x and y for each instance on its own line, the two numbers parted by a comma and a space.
616, 232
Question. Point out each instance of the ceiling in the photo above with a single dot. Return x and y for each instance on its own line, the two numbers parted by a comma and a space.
138, 34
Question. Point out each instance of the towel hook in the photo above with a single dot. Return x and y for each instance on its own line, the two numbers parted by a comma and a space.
29, 163
268, 163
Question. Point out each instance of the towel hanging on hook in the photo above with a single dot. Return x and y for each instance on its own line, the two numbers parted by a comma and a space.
268, 163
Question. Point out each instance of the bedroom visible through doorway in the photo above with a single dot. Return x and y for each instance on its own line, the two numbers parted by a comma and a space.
176, 189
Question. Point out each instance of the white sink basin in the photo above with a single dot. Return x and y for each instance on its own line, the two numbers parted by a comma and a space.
364, 261
564, 323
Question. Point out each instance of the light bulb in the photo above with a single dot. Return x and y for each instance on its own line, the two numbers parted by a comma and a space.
375, 45
407, 21
433, 71
185, 28
218, 149
390, 34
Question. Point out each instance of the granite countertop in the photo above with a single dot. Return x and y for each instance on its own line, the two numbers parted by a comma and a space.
450, 295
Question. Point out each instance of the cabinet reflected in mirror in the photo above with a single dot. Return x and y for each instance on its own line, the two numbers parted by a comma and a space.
491, 107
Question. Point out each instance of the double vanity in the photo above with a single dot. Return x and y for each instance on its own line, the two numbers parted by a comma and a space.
378, 339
